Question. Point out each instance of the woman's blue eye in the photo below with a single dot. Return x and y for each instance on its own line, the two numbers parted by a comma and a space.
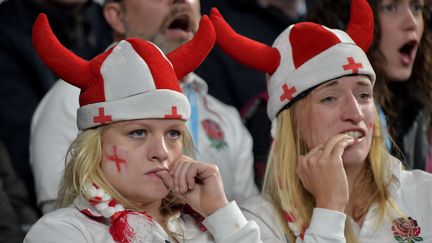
389, 7
417, 8
328, 99
174, 134
138, 133
365, 95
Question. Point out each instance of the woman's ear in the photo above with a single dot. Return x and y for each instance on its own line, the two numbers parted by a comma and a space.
115, 15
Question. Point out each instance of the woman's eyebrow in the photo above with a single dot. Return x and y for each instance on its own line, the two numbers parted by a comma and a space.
365, 83
328, 84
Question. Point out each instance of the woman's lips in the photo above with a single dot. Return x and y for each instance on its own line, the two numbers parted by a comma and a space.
154, 171
407, 52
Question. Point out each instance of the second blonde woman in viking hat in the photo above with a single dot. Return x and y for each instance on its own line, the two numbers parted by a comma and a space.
329, 177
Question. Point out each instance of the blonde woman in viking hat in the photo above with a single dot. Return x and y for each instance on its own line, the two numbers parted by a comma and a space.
401, 55
129, 167
329, 177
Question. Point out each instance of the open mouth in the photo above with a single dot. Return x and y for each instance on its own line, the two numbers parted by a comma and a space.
181, 23
407, 52
354, 134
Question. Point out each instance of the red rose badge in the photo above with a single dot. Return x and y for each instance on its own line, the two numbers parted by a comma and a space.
214, 133
406, 230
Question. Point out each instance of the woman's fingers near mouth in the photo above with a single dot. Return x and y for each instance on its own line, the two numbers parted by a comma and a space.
166, 178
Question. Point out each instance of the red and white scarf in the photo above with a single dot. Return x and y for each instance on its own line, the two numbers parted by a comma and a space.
125, 226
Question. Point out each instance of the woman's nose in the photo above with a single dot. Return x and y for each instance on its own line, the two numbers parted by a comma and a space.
410, 20
352, 110
158, 151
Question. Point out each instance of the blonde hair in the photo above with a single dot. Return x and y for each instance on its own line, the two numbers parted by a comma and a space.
283, 188
84, 166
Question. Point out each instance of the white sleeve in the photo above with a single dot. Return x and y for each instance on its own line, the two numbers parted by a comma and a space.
57, 229
53, 129
325, 226
228, 224
242, 163
268, 222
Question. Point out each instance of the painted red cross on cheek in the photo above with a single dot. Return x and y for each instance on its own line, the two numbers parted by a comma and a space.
173, 114
115, 158
101, 118
287, 92
352, 65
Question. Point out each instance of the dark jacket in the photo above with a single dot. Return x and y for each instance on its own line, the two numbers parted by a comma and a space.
24, 79
10, 230
414, 141
17, 212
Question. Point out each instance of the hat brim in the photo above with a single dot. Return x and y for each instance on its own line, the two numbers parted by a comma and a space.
156, 104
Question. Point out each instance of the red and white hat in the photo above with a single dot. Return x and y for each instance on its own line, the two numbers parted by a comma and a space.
132, 80
304, 55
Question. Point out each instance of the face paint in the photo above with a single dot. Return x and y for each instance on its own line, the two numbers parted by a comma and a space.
114, 157
134, 150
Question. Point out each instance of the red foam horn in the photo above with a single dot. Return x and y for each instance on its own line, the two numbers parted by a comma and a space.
361, 25
247, 51
62, 61
189, 56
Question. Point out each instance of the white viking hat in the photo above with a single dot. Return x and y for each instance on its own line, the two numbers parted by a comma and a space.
304, 55
132, 80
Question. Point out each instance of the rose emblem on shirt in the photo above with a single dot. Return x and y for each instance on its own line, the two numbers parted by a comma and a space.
406, 230
214, 133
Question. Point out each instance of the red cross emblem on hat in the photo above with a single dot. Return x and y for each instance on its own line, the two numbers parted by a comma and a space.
352, 65
287, 93
101, 118
173, 114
